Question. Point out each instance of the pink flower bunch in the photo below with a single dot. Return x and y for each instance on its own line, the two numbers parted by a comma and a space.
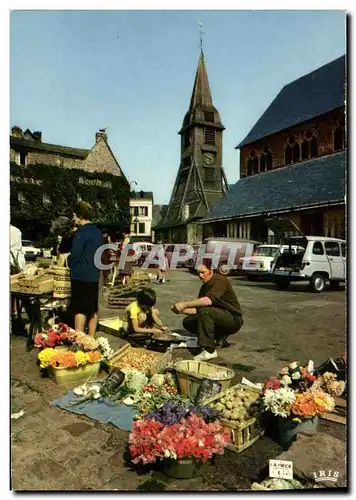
191, 438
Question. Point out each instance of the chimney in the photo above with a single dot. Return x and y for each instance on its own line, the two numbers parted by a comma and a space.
37, 136
17, 132
101, 135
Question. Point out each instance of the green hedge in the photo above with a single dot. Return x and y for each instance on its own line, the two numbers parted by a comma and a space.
111, 205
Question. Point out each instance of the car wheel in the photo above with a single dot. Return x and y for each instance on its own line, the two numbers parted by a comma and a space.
223, 269
317, 283
282, 284
334, 285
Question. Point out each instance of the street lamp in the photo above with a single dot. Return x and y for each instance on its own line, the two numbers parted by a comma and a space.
136, 221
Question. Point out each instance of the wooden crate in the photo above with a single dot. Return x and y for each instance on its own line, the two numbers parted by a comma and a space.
242, 435
43, 284
159, 365
339, 414
190, 374
107, 326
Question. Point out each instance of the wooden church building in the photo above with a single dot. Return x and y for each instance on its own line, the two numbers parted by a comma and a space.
200, 181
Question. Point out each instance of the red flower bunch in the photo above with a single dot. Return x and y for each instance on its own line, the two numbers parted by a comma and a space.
57, 335
191, 438
273, 383
308, 376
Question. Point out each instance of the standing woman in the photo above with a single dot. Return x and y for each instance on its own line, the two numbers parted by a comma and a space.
127, 269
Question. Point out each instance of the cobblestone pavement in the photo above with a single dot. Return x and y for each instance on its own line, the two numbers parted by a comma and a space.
56, 450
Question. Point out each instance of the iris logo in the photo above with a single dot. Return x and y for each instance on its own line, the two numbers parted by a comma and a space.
326, 475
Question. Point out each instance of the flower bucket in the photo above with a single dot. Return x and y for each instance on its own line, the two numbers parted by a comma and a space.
183, 468
69, 378
288, 429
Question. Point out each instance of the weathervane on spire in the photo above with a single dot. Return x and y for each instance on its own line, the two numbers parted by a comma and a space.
201, 33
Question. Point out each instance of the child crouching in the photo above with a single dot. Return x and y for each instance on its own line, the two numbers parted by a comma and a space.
141, 317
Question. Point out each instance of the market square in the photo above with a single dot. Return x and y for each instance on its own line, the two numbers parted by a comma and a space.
178, 247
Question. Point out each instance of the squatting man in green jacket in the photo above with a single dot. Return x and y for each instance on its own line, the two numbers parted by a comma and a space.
214, 315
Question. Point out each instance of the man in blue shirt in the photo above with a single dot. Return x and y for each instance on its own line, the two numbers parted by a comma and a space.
84, 273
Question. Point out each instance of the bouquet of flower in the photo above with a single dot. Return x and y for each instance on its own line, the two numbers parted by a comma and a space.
297, 393
328, 382
60, 334
191, 437
172, 412
49, 357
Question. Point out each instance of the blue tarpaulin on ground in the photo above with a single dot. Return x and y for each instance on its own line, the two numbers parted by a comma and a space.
101, 409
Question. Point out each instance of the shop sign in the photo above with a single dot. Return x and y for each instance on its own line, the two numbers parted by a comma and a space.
26, 180
283, 469
94, 182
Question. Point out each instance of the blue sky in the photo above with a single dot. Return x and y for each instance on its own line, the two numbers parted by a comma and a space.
71, 75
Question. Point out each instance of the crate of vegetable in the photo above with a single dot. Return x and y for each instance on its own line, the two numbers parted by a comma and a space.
137, 358
241, 412
190, 375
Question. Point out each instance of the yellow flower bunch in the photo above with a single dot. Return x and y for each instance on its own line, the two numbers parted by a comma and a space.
81, 358
324, 399
45, 356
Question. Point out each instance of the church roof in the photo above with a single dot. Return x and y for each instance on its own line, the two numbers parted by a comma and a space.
320, 181
309, 96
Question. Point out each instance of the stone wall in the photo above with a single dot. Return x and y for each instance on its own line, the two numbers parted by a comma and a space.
100, 159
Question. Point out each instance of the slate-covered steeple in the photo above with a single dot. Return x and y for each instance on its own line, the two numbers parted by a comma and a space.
201, 180
201, 100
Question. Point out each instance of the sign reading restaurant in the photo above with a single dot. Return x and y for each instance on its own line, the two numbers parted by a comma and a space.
82, 180
94, 182
26, 180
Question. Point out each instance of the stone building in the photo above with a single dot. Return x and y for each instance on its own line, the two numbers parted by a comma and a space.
292, 162
47, 179
141, 215
27, 148
201, 180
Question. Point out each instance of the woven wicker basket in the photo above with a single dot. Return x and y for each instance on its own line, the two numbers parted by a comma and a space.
61, 277
190, 374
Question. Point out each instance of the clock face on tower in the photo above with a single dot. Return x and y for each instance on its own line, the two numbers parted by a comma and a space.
208, 159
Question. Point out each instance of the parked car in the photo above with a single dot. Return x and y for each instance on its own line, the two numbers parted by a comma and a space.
323, 259
239, 247
145, 248
31, 252
259, 265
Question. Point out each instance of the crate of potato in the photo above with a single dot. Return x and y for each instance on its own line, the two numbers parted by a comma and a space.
241, 410
137, 358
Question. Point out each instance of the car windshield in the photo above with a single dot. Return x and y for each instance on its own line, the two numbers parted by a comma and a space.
267, 251
27, 243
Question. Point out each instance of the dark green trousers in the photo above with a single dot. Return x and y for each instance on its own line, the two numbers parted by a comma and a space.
211, 323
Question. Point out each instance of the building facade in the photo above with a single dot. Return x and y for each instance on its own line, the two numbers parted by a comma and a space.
46, 180
200, 180
141, 204
292, 162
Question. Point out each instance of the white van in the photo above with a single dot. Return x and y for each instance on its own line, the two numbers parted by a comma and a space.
323, 259
261, 262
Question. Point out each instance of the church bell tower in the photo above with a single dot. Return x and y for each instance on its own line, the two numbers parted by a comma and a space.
200, 181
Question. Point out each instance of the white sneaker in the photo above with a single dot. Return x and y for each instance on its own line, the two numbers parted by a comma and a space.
205, 356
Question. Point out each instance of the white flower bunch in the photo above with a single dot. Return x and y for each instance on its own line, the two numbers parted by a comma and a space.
279, 401
105, 347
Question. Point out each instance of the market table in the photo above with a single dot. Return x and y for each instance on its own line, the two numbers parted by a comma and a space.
32, 304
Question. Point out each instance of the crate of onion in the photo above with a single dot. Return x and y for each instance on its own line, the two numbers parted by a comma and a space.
240, 407
137, 358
